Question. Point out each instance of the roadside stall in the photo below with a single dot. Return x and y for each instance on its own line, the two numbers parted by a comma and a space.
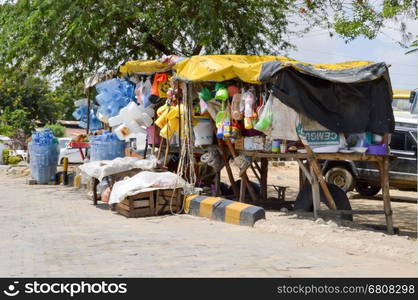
202, 110
312, 113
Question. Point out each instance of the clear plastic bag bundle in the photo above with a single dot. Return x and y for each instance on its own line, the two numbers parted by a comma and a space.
266, 118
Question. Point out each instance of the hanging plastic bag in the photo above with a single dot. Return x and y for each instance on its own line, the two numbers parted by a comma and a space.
236, 113
248, 100
138, 91
146, 93
266, 118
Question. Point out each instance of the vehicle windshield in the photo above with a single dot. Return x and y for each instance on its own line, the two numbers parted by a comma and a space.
63, 143
400, 104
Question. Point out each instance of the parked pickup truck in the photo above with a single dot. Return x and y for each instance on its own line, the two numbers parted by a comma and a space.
364, 177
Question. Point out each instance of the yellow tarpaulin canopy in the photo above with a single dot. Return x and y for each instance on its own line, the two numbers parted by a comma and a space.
244, 67
146, 67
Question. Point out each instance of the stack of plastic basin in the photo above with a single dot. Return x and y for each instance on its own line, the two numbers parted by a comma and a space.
106, 146
43, 161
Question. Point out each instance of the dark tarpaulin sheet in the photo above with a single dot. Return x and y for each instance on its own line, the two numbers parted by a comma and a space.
340, 106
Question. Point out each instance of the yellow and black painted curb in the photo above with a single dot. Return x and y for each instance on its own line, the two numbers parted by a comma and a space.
223, 210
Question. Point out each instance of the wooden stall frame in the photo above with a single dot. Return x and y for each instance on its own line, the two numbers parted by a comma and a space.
382, 162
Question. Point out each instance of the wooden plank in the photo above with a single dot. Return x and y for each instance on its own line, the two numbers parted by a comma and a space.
242, 189
315, 192
140, 196
317, 171
228, 169
163, 202
255, 173
303, 174
152, 202
263, 179
320, 156
250, 188
384, 176
123, 206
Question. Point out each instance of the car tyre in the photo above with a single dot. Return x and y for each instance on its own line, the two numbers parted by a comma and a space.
341, 177
365, 189
304, 200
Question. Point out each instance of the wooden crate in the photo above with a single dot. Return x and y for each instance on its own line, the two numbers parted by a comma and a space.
163, 198
139, 205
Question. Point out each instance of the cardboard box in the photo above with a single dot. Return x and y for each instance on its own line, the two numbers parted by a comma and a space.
254, 143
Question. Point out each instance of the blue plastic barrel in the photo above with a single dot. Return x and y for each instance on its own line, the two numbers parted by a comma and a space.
43, 162
106, 150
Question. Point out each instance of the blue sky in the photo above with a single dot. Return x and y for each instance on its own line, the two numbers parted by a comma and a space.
318, 47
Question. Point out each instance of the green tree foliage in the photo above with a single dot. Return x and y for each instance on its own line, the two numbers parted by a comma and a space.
57, 129
24, 100
72, 37
355, 18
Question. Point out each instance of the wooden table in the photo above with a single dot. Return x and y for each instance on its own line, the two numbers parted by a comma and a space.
381, 161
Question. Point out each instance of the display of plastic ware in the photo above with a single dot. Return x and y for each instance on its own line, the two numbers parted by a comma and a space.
248, 123
205, 94
106, 147
220, 132
203, 131
43, 152
227, 128
80, 114
113, 95
236, 113
222, 94
275, 146
264, 123
248, 99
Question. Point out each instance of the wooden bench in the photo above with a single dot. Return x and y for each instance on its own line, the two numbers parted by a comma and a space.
281, 191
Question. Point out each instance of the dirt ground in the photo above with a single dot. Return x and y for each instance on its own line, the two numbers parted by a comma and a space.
404, 204
56, 231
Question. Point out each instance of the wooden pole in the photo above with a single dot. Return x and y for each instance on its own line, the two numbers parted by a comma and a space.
384, 177
228, 169
242, 189
317, 170
167, 149
315, 192
264, 176
159, 148
244, 176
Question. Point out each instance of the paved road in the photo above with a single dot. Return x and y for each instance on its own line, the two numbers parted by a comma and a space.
55, 231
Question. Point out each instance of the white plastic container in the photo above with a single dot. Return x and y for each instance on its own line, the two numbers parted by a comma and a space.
146, 119
133, 111
122, 132
114, 121
133, 126
203, 132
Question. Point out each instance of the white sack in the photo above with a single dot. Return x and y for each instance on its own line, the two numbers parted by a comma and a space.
101, 169
144, 182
